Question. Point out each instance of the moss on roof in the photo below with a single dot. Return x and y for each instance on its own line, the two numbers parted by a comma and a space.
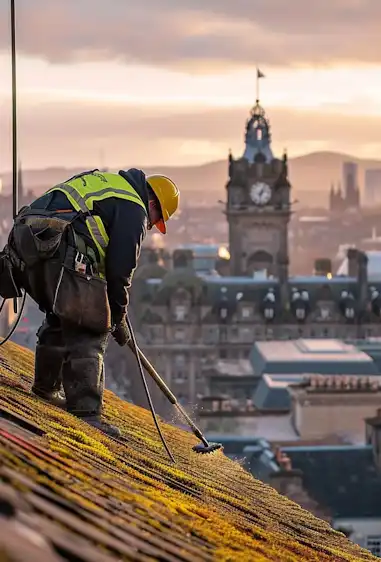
104, 500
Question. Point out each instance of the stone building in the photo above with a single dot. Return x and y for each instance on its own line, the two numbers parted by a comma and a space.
258, 204
189, 318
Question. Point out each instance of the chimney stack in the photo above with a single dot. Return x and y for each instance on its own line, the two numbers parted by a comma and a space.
353, 262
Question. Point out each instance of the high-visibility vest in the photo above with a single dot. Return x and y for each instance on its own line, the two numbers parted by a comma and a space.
85, 189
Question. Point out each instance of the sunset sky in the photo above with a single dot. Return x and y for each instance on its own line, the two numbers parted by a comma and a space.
118, 82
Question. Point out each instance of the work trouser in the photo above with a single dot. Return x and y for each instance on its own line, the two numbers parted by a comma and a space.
68, 355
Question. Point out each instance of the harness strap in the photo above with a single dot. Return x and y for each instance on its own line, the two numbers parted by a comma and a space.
91, 221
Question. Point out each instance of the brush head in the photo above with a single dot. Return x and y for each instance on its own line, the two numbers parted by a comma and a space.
204, 449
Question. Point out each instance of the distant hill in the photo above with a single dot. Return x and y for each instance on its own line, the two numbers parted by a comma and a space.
311, 175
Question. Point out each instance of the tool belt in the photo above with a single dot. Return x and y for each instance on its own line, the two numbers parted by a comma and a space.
37, 234
79, 295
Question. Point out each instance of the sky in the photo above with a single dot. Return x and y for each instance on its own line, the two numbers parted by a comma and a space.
171, 82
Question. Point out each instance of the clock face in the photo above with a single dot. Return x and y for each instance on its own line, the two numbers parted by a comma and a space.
260, 193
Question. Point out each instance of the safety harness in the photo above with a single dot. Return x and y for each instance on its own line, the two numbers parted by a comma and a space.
84, 190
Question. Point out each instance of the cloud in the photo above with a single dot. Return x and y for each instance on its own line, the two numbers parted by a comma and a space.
198, 35
76, 134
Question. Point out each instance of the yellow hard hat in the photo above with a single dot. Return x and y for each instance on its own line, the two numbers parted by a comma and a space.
168, 196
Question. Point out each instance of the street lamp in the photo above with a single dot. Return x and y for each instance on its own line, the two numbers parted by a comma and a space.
14, 107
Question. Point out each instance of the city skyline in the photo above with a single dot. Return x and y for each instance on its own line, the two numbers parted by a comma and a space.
138, 95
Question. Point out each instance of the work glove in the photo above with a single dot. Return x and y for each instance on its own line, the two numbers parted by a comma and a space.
121, 333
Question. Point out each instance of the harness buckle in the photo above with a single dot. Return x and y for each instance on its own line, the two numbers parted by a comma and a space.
80, 263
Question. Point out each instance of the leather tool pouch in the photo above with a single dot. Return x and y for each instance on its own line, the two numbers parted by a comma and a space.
37, 238
81, 298
9, 284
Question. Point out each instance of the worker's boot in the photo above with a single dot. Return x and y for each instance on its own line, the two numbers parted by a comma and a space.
48, 362
103, 426
83, 379
47, 374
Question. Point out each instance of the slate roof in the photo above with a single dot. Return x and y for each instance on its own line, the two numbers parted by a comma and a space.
68, 492
341, 478
253, 290
344, 478
272, 391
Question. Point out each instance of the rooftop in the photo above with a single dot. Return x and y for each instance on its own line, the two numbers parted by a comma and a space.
272, 391
68, 492
322, 356
343, 479
351, 486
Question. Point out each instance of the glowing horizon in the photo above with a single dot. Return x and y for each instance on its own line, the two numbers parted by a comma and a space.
53, 97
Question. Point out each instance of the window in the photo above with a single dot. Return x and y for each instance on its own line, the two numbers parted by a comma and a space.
223, 334
179, 360
374, 544
179, 334
180, 312
223, 313
154, 334
210, 334
180, 376
199, 375
234, 332
246, 335
246, 312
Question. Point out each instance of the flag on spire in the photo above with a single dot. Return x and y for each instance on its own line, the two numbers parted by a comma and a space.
259, 75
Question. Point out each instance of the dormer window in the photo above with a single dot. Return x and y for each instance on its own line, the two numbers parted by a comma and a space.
180, 312
246, 312
223, 313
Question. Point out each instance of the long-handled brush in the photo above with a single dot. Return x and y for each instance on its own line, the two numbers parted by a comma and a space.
134, 346
204, 446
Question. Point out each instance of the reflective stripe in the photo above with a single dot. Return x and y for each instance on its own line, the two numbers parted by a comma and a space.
99, 194
94, 229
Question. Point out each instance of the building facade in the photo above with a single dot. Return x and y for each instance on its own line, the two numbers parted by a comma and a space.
258, 204
188, 319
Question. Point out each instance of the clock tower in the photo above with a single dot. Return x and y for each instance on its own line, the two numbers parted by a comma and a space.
258, 204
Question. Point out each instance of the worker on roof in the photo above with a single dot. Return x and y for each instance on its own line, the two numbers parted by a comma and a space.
74, 250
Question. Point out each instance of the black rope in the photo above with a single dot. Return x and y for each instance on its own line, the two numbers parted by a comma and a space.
19, 315
136, 352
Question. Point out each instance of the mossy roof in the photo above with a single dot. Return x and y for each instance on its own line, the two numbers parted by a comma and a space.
94, 499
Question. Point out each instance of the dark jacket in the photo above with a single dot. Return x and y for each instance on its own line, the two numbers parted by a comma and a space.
126, 226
